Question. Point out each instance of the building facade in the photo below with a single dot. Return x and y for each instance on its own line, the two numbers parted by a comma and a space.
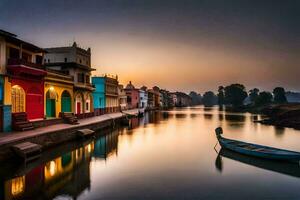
22, 62
99, 95
143, 95
122, 97
76, 62
132, 94
111, 93
59, 95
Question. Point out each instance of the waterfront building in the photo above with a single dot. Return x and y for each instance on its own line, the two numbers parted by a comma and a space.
166, 99
183, 100
111, 93
99, 95
156, 96
151, 99
76, 62
106, 93
22, 62
132, 96
174, 98
143, 95
58, 96
122, 97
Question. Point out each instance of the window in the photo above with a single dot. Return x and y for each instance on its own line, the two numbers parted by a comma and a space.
48, 60
79, 60
14, 53
87, 79
87, 106
66, 59
39, 59
80, 77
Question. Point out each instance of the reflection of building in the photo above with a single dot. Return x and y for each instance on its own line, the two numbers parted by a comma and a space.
122, 97
76, 62
107, 145
132, 96
68, 174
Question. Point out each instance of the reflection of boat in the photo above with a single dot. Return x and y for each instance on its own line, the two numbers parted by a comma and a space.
257, 150
287, 168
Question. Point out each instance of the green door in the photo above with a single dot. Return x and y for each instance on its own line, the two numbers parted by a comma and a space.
50, 107
65, 102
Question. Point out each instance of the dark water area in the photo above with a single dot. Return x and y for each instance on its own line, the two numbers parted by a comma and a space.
165, 155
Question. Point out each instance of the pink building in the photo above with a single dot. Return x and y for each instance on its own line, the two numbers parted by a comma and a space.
132, 96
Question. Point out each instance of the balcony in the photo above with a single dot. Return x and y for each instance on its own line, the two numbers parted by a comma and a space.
18, 62
19, 67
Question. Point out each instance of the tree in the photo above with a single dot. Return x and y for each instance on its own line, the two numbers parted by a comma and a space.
264, 98
196, 98
235, 94
253, 94
221, 96
209, 99
279, 95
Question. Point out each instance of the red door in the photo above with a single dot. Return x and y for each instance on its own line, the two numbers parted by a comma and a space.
78, 108
34, 106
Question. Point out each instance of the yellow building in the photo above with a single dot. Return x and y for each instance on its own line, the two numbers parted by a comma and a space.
58, 94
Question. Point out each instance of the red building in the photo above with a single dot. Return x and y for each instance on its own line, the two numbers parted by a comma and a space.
24, 67
132, 96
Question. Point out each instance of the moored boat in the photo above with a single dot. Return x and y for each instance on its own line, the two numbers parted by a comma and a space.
256, 150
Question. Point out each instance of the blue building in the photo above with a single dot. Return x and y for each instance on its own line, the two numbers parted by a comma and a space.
99, 95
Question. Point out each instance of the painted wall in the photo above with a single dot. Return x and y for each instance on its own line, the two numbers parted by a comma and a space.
5, 98
143, 102
34, 90
59, 89
132, 98
99, 93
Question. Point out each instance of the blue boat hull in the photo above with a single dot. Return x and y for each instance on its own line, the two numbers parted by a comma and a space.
259, 150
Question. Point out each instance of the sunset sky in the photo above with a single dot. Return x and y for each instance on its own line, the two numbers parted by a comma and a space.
179, 45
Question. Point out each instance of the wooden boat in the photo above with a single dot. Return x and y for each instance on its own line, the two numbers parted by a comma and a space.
257, 150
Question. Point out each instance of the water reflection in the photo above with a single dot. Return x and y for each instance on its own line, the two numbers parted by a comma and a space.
291, 169
164, 155
68, 174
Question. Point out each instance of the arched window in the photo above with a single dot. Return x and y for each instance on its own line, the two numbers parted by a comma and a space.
18, 99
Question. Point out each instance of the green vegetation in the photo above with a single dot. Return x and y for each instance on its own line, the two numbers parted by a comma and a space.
235, 94
209, 99
279, 95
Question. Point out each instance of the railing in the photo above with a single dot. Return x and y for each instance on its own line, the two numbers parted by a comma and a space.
18, 61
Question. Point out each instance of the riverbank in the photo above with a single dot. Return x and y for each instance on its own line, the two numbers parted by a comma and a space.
284, 115
59, 133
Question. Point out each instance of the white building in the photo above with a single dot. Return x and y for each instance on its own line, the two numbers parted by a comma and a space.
143, 95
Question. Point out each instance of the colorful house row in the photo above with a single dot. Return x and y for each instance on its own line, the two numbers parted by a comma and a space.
42, 84
38, 84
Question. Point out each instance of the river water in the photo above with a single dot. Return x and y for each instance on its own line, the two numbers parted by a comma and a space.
165, 155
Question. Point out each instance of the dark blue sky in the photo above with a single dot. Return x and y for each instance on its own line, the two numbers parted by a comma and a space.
205, 43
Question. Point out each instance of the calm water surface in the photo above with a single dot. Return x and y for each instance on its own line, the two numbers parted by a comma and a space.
165, 155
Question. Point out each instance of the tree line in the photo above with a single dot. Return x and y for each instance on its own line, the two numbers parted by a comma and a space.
236, 95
